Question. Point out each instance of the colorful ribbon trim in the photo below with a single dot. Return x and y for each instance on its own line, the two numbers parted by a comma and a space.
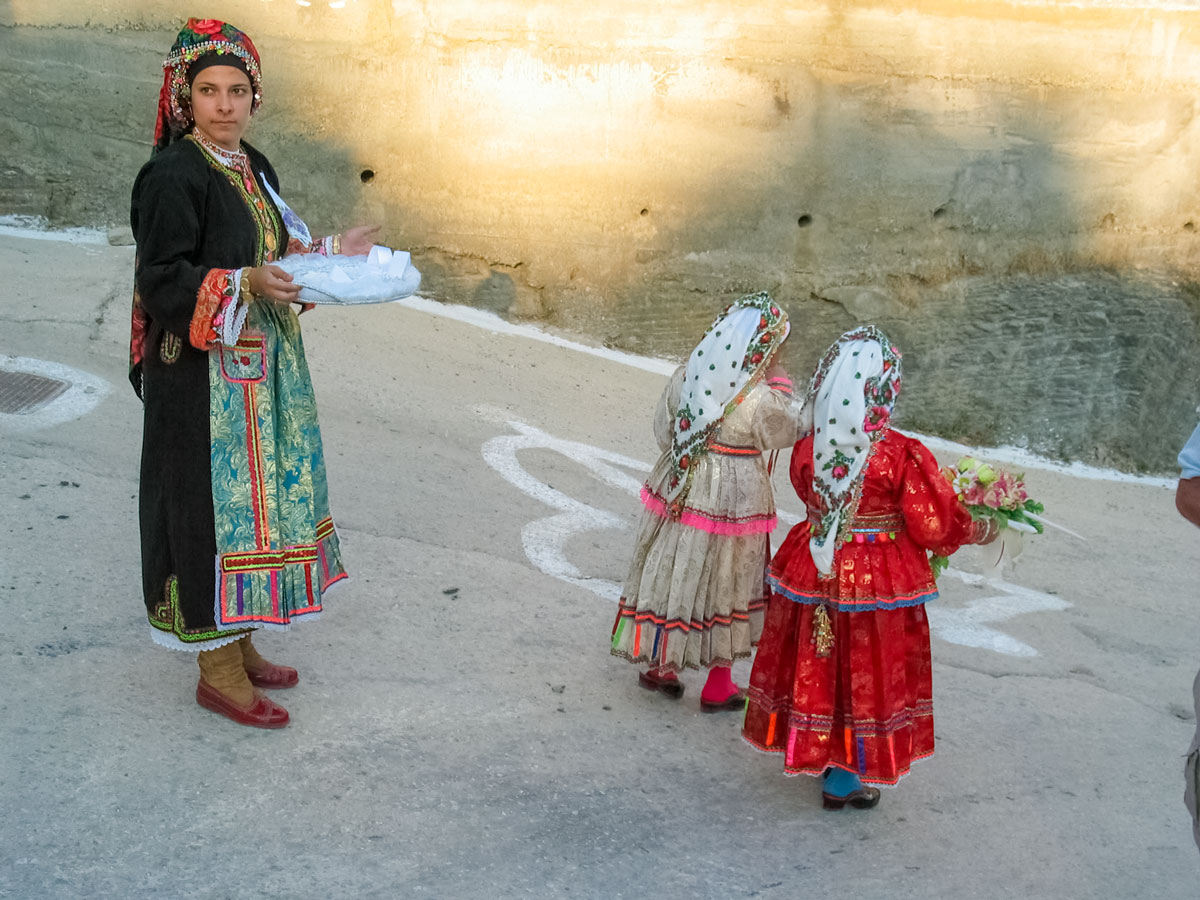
629, 612
850, 604
269, 560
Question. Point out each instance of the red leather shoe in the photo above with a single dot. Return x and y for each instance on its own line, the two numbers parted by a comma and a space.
274, 677
263, 714
652, 681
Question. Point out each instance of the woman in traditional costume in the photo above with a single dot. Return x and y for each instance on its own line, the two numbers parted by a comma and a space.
842, 682
695, 592
235, 527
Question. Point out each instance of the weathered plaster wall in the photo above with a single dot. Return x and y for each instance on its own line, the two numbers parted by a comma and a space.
624, 167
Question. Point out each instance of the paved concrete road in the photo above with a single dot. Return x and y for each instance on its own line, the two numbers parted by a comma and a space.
460, 729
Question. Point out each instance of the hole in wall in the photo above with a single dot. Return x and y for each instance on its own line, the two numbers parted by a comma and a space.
644, 212
804, 221
1189, 226
366, 175
939, 212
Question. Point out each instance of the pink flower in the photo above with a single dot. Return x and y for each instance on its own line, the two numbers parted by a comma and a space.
877, 417
840, 472
973, 495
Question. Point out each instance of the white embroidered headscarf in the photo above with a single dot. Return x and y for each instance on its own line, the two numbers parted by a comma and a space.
853, 392
730, 359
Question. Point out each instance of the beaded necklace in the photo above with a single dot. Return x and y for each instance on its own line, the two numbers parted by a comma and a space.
237, 160
235, 164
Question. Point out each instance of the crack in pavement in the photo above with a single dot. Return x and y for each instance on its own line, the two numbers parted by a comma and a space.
102, 312
1065, 676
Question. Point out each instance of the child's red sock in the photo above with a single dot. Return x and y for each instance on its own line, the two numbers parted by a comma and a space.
719, 687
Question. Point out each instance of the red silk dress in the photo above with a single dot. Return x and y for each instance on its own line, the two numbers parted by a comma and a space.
867, 707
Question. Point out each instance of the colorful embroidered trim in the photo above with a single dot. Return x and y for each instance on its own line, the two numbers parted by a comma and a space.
165, 617
872, 537
170, 348
725, 526
244, 361
891, 522
260, 561
253, 584
271, 234
818, 771
254, 459
325, 528
861, 728
216, 290
850, 604
866, 779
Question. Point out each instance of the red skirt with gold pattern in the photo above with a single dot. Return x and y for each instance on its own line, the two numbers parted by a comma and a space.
867, 707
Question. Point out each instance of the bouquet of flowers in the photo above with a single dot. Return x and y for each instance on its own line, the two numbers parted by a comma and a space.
995, 494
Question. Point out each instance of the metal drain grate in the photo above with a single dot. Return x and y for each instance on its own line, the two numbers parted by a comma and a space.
21, 392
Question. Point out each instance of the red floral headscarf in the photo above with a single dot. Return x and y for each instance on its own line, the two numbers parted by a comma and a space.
199, 37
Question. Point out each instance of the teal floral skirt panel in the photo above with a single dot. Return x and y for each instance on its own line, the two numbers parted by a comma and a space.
277, 550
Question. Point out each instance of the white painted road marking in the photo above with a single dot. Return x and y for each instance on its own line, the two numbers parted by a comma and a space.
966, 625
544, 541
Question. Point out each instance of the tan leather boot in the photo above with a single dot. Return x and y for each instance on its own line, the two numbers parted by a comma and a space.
262, 673
225, 688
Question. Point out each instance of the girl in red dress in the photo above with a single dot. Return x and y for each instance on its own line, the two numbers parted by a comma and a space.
842, 682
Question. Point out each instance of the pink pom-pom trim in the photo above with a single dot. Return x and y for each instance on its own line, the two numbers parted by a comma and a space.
693, 519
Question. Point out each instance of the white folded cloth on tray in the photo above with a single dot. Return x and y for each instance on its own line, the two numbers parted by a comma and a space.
381, 276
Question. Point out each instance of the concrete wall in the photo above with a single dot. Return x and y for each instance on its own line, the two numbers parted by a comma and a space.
622, 168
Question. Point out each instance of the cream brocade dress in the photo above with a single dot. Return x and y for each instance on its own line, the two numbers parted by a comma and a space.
695, 593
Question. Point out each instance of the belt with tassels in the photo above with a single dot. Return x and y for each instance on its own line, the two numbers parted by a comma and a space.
732, 449
865, 529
